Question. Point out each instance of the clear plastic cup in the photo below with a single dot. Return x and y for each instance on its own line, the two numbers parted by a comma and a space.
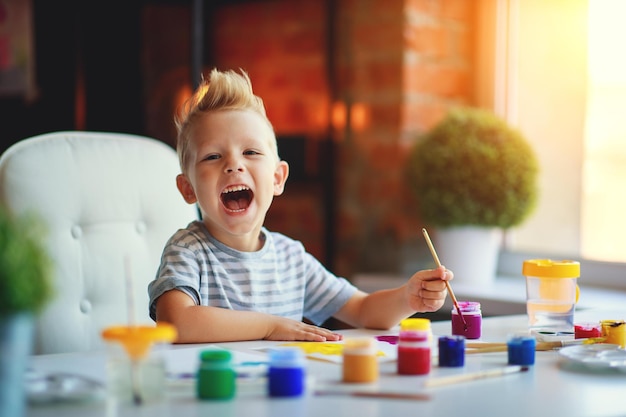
136, 369
551, 294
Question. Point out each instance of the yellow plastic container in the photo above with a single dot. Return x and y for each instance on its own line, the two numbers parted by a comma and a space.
551, 294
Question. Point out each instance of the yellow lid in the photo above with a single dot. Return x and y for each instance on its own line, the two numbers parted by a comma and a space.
415, 324
551, 269
137, 340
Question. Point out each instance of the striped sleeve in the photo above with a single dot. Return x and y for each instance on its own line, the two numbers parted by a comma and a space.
179, 269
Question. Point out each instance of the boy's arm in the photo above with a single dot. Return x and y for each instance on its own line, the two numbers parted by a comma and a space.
425, 291
202, 324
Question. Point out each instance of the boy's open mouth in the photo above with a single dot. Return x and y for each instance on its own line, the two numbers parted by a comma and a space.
237, 198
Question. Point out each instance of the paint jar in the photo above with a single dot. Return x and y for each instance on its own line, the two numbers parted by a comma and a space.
473, 317
551, 294
414, 347
521, 349
216, 376
614, 332
135, 362
360, 362
587, 330
451, 351
287, 372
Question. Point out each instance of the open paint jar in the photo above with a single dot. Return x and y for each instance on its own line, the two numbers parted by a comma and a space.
473, 319
614, 332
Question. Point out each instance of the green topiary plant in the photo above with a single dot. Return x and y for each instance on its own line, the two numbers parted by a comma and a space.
472, 169
25, 268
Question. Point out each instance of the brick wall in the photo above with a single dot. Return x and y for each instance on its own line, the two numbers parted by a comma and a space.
407, 61
397, 65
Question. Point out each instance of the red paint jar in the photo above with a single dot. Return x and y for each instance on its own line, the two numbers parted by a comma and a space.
414, 347
473, 317
587, 330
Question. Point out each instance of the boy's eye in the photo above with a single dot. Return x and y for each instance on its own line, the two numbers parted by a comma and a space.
251, 152
211, 157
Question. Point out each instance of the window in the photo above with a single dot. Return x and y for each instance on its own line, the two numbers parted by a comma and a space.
558, 74
604, 167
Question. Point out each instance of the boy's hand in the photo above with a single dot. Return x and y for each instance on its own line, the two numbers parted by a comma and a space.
426, 290
287, 329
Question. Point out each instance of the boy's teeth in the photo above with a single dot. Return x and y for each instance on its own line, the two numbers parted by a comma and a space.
233, 189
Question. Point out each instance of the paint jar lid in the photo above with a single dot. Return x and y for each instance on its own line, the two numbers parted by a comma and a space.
415, 324
286, 357
137, 340
215, 356
360, 346
551, 269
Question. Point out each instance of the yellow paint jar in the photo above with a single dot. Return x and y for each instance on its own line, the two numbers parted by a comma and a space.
614, 332
360, 363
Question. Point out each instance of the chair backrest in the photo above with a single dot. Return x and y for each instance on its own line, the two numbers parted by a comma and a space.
109, 202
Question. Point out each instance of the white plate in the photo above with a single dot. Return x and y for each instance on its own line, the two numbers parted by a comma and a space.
60, 387
597, 356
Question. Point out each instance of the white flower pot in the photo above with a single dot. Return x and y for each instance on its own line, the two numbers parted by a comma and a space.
470, 252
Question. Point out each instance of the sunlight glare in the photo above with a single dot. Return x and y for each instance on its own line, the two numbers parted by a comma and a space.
604, 170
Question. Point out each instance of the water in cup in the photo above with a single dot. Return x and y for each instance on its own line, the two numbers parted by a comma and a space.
550, 315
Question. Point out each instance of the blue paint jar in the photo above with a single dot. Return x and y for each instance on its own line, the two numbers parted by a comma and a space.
451, 351
286, 373
521, 349
216, 376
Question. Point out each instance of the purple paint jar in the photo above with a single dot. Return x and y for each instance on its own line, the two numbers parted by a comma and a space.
473, 317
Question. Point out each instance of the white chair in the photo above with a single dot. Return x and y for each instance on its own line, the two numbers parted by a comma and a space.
104, 198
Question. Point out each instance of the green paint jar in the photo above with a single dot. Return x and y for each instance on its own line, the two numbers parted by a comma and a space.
216, 376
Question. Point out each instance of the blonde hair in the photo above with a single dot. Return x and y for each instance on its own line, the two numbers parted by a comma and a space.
224, 90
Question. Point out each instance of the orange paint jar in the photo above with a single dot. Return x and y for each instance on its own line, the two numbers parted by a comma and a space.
360, 363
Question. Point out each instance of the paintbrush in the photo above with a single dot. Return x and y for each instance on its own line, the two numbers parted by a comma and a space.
378, 394
457, 379
484, 347
448, 287
134, 365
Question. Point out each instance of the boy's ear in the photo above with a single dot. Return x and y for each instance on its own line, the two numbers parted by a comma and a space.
185, 188
280, 177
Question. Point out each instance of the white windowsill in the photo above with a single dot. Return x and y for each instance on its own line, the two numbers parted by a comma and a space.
506, 295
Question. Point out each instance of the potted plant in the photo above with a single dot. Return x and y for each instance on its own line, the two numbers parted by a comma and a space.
472, 174
25, 287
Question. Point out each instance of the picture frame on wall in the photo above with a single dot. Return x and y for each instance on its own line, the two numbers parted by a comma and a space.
17, 66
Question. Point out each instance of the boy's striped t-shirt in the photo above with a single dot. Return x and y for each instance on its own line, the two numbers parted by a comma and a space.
280, 279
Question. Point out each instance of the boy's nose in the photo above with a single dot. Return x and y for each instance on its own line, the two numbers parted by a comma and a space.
233, 165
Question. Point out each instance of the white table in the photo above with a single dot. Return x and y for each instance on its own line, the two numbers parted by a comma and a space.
551, 388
